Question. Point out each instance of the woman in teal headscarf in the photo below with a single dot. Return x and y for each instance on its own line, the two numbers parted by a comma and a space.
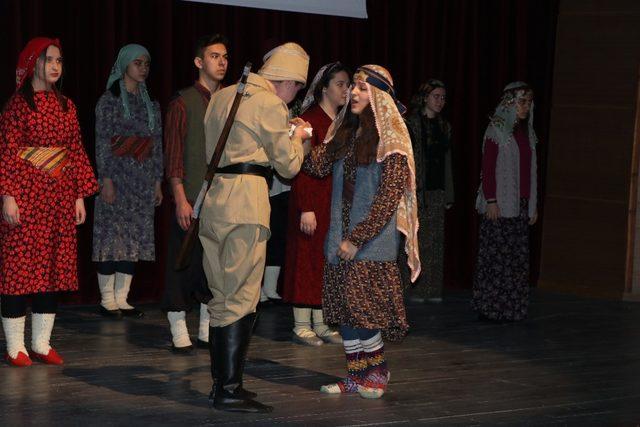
129, 160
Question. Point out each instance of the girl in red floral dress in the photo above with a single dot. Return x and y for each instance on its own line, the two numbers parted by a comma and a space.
44, 176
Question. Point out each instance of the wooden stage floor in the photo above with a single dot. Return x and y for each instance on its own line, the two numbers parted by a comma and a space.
573, 362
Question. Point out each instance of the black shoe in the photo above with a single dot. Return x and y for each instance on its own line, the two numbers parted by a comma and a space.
181, 350
237, 403
112, 314
228, 347
243, 392
202, 344
485, 318
132, 312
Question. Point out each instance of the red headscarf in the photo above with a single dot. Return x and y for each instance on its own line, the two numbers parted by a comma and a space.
29, 56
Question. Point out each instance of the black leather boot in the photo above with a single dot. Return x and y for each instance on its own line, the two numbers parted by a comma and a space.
230, 345
242, 391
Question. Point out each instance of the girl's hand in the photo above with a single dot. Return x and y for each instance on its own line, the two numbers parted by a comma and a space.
81, 213
108, 192
10, 211
158, 194
347, 250
493, 211
308, 223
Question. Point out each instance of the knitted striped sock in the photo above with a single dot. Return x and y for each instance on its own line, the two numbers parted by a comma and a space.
356, 362
356, 368
377, 374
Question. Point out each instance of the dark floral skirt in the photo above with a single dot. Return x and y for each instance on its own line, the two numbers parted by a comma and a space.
365, 294
501, 285
431, 243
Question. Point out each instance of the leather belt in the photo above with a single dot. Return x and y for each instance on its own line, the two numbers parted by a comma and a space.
248, 169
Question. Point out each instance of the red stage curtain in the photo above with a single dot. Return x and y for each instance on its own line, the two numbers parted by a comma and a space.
476, 47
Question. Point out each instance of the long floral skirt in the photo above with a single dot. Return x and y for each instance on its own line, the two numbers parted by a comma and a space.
501, 285
431, 243
365, 294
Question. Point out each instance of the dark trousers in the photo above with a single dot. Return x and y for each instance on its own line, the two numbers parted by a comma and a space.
183, 288
108, 268
349, 334
278, 224
13, 306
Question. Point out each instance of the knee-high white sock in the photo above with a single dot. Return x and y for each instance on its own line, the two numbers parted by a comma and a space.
270, 287
122, 286
179, 331
203, 329
319, 327
41, 327
302, 320
107, 293
14, 335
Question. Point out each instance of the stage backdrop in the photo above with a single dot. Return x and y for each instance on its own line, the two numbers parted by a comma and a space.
476, 47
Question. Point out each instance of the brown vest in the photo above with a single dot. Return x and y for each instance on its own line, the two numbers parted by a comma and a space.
194, 155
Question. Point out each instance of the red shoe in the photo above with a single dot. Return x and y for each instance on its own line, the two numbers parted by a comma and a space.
20, 361
51, 358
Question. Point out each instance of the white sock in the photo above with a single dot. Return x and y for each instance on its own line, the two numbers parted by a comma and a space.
372, 344
41, 327
122, 286
319, 327
352, 346
302, 321
203, 330
107, 292
178, 325
14, 335
270, 286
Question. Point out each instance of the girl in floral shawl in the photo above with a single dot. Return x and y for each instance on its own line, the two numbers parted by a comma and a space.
368, 152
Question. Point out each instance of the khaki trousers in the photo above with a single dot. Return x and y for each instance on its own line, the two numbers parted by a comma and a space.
233, 261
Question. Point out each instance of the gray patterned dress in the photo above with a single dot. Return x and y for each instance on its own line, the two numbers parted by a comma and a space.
123, 231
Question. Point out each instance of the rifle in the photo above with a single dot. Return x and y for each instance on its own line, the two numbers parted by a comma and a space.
184, 256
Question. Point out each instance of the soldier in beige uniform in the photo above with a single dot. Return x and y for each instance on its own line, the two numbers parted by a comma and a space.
234, 222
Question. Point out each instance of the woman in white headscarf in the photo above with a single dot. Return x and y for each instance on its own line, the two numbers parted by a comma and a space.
507, 202
368, 152
309, 214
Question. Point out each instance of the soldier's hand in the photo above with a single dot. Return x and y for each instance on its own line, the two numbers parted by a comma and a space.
300, 130
183, 215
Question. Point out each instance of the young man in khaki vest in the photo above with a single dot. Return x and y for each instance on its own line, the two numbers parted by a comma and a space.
186, 165
234, 222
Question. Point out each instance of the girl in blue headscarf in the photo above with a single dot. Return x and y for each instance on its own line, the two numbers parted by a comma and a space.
129, 160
